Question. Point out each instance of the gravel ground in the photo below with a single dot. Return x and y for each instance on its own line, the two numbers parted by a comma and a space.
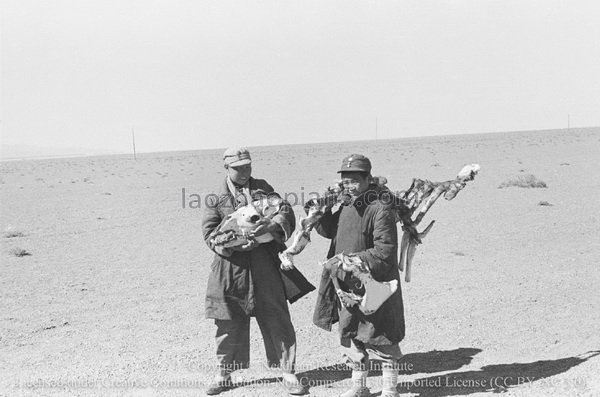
109, 302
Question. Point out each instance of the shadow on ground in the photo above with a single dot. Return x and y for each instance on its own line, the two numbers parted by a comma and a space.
430, 362
494, 378
256, 382
491, 378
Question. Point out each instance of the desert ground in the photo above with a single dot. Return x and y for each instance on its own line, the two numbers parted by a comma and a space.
104, 269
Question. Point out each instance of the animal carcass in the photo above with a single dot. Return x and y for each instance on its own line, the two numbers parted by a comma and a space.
376, 292
237, 228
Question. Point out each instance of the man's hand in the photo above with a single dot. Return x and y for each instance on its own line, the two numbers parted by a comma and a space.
266, 225
249, 246
352, 263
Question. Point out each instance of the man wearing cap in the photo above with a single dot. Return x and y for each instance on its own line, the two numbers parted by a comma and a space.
365, 225
247, 281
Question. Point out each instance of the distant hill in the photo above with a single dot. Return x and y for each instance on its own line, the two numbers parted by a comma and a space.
16, 152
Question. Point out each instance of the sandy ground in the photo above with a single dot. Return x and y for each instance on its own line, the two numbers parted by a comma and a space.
504, 296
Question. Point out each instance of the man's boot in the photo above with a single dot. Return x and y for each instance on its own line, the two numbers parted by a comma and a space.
359, 383
389, 380
221, 383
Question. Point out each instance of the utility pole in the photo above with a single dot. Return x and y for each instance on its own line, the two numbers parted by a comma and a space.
133, 140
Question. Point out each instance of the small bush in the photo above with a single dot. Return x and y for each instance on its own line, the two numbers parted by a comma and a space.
527, 181
10, 233
16, 251
544, 203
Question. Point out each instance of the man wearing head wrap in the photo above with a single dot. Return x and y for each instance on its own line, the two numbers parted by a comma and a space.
365, 225
247, 281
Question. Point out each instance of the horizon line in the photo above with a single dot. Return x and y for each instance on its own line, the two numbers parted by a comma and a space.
121, 153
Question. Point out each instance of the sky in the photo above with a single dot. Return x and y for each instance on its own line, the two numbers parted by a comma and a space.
211, 74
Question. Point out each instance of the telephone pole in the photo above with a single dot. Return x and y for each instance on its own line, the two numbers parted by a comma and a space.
133, 141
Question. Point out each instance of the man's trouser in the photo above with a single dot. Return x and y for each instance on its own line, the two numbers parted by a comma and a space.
273, 317
358, 353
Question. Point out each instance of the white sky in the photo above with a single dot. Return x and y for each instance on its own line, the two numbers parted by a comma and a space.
202, 74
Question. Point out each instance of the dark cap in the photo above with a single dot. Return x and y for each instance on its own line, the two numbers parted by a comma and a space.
356, 163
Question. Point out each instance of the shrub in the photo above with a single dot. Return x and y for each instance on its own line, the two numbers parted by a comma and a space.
10, 233
527, 180
16, 251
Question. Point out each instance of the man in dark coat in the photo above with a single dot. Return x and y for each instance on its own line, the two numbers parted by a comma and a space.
365, 225
247, 281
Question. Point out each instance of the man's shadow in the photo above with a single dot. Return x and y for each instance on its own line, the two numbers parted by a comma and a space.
496, 378
491, 378
430, 362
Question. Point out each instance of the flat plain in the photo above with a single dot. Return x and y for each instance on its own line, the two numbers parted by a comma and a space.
103, 271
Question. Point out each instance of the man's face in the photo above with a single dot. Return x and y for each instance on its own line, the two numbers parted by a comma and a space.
240, 174
355, 183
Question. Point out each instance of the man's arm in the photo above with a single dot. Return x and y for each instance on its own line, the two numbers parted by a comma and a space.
282, 225
211, 219
381, 257
285, 221
327, 226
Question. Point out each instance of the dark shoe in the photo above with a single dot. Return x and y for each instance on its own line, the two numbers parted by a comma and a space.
219, 387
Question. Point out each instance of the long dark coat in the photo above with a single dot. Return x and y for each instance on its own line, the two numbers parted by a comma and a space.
368, 228
230, 290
